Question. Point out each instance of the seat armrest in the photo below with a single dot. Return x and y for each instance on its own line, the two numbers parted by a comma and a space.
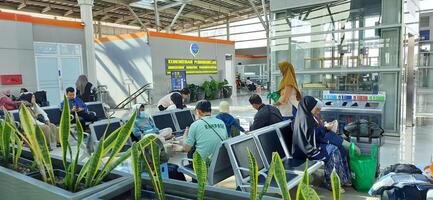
248, 170
185, 161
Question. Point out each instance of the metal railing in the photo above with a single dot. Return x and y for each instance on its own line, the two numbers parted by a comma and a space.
133, 96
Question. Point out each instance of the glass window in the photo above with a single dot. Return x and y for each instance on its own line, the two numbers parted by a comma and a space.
45, 48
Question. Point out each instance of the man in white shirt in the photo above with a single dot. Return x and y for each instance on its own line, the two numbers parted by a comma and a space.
166, 101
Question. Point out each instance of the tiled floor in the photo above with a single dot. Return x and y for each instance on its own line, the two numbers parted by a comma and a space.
413, 146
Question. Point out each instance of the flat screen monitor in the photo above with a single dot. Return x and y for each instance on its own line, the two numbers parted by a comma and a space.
163, 121
184, 118
99, 128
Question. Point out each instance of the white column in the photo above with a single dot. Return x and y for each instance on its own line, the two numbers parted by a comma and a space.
87, 19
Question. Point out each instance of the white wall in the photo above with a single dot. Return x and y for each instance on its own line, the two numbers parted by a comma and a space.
163, 48
124, 66
16, 48
16, 53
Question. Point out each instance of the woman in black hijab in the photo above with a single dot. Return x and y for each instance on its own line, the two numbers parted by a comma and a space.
310, 141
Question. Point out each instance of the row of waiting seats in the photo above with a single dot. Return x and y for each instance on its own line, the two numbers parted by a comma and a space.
55, 113
231, 158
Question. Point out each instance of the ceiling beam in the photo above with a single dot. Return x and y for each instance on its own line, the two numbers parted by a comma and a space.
67, 13
235, 3
46, 9
175, 17
21, 6
105, 10
210, 6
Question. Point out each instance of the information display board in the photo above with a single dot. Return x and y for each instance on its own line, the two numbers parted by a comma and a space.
178, 80
191, 66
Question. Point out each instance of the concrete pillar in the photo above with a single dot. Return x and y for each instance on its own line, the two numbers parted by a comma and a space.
87, 19
228, 28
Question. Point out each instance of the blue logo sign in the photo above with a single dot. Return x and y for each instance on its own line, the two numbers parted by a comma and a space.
194, 49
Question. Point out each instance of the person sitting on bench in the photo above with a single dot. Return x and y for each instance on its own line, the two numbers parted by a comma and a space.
266, 114
143, 123
228, 119
78, 106
40, 118
205, 134
309, 141
166, 101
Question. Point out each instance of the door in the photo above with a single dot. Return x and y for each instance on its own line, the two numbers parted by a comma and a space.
70, 70
58, 66
48, 78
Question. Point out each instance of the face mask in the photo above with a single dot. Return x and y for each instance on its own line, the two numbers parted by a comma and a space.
142, 114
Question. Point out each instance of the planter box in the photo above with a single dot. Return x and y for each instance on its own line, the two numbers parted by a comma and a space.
17, 186
175, 190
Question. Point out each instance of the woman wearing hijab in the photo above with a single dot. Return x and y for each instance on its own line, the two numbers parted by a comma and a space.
85, 89
289, 92
311, 140
143, 123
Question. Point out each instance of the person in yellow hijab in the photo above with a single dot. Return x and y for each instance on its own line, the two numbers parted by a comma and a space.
288, 89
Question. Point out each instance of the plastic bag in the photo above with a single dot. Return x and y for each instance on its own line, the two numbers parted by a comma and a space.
363, 168
275, 96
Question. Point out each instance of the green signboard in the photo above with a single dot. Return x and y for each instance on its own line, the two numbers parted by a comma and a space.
191, 66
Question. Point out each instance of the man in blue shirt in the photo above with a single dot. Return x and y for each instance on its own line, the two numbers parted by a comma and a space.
206, 133
78, 106
228, 119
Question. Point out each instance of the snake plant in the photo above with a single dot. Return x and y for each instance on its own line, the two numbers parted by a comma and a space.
254, 175
200, 169
336, 187
10, 143
305, 181
94, 170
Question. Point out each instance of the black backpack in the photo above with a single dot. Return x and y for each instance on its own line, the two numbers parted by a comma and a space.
363, 128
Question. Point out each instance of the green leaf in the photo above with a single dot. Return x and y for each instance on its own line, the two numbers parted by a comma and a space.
46, 157
122, 138
305, 180
308, 192
336, 187
254, 175
19, 145
155, 156
136, 169
30, 136
64, 131
270, 175
152, 172
200, 169
83, 172
94, 163
144, 142
73, 166
5, 141
280, 176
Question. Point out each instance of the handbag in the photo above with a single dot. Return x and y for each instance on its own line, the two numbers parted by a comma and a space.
363, 128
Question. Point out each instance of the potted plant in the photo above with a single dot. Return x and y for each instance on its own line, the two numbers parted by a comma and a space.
152, 186
227, 90
193, 89
64, 178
